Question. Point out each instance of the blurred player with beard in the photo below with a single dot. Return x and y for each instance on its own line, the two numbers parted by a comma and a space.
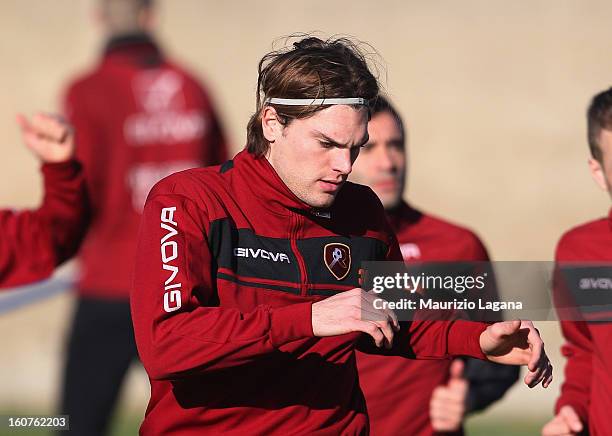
34, 242
246, 302
586, 400
397, 389
138, 118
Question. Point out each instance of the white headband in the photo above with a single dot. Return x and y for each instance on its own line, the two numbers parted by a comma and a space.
315, 101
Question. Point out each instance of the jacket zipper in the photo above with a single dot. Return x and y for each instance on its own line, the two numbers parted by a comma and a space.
300, 260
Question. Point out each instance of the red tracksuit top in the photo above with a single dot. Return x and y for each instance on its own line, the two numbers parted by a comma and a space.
138, 118
588, 371
398, 390
34, 242
245, 259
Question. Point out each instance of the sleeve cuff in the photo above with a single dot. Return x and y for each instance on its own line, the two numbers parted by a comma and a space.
61, 170
464, 339
290, 323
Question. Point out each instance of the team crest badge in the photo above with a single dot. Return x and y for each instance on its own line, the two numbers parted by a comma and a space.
337, 259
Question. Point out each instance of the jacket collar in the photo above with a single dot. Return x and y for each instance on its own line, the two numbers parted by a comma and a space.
130, 48
403, 215
263, 182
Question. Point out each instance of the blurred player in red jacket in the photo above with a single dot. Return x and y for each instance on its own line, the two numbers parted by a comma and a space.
34, 242
138, 118
397, 389
586, 399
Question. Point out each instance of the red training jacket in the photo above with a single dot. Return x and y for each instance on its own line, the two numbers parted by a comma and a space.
398, 390
137, 118
34, 242
588, 379
229, 264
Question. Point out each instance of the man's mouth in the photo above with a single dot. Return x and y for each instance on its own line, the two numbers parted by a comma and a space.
386, 185
331, 185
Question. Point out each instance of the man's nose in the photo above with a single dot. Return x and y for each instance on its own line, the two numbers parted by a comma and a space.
342, 161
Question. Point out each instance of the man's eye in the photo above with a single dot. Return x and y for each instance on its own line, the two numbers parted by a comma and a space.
326, 144
366, 146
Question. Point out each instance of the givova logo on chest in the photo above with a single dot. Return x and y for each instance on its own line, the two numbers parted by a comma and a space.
260, 253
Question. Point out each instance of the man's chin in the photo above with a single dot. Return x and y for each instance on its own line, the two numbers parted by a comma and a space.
390, 202
323, 200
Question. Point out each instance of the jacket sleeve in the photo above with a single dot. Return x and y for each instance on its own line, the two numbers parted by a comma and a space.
34, 242
179, 325
578, 350
488, 382
425, 338
578, 346
90, 138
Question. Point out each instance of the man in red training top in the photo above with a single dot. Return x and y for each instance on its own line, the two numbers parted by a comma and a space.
585, 402
246, 302
395, 388
138, 118
34, 242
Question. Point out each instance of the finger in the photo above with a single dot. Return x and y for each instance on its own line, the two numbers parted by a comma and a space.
446, 410
381, 317
441, 422
368, 300
23, 122
387, 331
450, 413
505, 328
543, 375
556, 427
453, 394
544, 372
571, 418
50, 127
371, 296
371, 329
456, 369
533, 378
548, 378
35, 143
537, 348
459, 388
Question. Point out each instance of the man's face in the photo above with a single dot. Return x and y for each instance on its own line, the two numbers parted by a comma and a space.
315, 155
382, 162
602, 171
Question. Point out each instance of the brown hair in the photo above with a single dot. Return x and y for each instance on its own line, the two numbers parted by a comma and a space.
599, 116
381, 105
310, 68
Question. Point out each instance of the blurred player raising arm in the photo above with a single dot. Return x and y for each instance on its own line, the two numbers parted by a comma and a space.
34, 242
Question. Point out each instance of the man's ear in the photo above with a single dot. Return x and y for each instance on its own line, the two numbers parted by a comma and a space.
597, 172
270, 124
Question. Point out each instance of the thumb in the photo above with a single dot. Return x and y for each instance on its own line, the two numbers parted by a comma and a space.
456, 369
571, 418
23, 122
507, 328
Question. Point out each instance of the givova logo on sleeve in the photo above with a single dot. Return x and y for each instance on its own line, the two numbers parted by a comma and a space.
169, 253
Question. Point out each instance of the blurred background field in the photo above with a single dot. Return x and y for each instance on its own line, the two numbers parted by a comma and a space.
494, 94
